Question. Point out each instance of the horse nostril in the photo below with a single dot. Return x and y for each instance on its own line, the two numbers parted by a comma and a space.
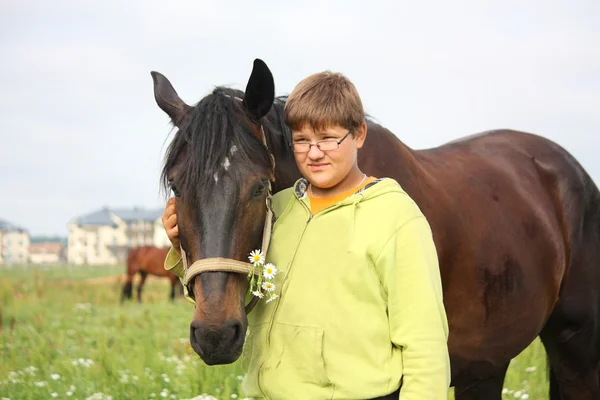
195, 332
234, 331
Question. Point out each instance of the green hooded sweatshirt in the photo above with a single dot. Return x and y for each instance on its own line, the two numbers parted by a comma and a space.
360, 310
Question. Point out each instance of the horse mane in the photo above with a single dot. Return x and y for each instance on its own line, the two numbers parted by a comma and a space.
279, 136
216, 124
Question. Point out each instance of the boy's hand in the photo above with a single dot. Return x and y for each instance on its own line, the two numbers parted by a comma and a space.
169, 220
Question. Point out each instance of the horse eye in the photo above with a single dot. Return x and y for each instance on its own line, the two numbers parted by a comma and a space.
175, 191
260, 189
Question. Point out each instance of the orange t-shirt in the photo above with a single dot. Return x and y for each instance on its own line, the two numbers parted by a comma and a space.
318, 204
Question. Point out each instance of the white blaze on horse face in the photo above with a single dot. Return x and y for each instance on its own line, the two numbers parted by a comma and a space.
226, 162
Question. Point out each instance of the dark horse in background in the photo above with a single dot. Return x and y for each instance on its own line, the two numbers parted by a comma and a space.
515, 219
147, 260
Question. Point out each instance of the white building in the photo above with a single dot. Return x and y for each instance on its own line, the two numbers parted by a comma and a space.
14, 244
104, 236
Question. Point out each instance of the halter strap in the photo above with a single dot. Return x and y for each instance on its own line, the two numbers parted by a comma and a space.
221, 264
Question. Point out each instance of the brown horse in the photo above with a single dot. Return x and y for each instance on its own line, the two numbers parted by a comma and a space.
147, 260
516, 222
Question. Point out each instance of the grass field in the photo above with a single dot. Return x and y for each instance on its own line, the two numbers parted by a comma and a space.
63, 334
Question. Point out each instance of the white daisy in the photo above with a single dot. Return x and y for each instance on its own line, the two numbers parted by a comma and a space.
257, 257
269, 271
258, 294
268, 286
270, 299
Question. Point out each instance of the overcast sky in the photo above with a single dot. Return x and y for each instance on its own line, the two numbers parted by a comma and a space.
80, 130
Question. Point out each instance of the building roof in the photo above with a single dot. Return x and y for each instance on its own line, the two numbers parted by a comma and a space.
8, 227
105, 216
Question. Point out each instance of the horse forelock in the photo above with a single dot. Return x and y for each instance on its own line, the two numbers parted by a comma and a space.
205, 145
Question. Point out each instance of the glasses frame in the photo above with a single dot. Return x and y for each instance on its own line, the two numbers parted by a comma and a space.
310, 145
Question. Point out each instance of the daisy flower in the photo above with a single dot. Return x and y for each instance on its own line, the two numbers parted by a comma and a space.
258, 294
268, 286
269, 271
257, 257
270, 299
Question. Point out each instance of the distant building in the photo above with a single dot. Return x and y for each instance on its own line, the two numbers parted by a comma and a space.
14, 244
47, 253
104, 236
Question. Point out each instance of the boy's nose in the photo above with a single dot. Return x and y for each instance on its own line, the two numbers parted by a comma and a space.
315, 153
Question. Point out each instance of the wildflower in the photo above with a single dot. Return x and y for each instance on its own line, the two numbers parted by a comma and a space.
268, 286
40, 384
258, 294
257, 257
269, 271
270, 299
55, 377
54, 394
69, 394
531, 369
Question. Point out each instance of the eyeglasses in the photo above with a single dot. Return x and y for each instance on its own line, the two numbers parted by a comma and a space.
323, 145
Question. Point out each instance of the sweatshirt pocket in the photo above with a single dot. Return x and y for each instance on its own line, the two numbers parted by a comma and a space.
296, 364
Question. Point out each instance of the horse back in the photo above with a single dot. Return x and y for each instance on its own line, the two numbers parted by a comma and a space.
511, 213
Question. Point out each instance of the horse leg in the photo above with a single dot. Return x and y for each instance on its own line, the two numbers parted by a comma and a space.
173, 283
143, 275
574, 372
478, 388
572, 333
127, 291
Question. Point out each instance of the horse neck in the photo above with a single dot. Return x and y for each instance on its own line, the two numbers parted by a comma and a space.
385, 155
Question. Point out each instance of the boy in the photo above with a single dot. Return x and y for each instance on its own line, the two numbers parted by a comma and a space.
361, 313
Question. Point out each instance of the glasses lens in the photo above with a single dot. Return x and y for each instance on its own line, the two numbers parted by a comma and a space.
328, 145
301, 147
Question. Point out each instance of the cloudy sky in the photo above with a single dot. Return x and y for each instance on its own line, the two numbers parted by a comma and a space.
80, 130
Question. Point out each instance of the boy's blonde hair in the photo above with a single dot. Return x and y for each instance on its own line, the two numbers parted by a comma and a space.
323, 100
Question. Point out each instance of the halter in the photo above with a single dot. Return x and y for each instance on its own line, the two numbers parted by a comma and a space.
220, 264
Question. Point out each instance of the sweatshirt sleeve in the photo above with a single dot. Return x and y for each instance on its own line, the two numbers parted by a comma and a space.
174, 264
409, 269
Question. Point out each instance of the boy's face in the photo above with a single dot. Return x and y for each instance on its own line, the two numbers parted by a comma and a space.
327, 168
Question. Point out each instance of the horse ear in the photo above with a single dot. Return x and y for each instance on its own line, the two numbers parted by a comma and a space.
168, 99
260, 91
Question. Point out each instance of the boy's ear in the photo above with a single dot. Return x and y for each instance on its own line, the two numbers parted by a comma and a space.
361, 135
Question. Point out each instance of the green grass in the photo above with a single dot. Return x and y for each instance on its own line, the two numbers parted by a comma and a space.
64, 334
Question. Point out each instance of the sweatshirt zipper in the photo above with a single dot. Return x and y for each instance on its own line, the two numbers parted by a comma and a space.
285, 279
